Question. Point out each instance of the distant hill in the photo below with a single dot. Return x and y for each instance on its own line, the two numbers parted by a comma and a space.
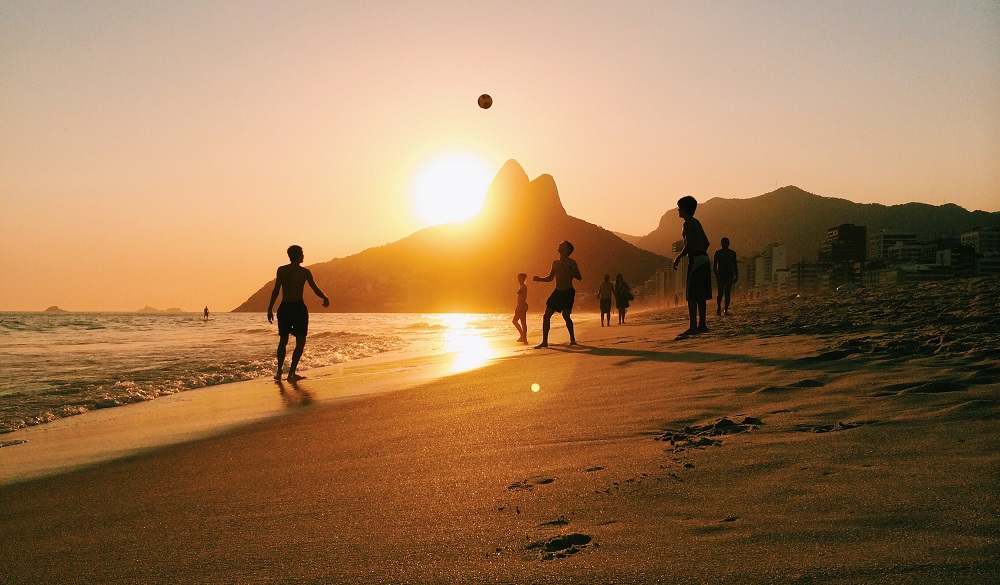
471, 266
55, 309
800, 220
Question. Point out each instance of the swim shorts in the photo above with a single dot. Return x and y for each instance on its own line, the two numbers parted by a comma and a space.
293, 319
699, 284
561, 301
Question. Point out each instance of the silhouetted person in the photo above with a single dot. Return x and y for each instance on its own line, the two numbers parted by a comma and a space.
677, 300
564, 270
699, 276
726, 274
206, 314
623, 294
520, 319
604, 297
293, 316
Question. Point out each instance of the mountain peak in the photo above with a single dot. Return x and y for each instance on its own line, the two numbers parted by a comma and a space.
512, 194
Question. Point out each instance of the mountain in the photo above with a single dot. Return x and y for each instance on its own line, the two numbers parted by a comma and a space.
800, 220
472, 266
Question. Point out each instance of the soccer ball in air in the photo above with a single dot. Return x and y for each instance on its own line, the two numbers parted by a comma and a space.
485, 101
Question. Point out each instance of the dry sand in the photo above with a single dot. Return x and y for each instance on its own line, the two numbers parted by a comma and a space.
846, 439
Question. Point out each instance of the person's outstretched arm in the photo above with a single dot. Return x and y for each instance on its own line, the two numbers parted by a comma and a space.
552, 274
682, 254
274, 296
312, 285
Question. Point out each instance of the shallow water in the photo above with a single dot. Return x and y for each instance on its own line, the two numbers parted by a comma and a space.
60, 364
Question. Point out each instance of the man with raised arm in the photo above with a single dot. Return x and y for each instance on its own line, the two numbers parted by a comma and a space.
564, 270
293, 316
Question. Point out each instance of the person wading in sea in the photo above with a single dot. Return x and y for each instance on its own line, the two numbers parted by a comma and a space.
293, 316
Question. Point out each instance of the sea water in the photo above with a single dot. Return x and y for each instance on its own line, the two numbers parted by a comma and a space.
54, 365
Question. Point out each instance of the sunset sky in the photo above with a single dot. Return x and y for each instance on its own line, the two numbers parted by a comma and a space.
166, 153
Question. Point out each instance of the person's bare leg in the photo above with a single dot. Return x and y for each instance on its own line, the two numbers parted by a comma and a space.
300, 344
524, 329
569, 327
282, 342
546, 323
702, 327
693, 318
522, 332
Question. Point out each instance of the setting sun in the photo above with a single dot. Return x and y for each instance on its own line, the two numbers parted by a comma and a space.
450, 187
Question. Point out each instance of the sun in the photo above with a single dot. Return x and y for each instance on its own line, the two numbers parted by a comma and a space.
450, 187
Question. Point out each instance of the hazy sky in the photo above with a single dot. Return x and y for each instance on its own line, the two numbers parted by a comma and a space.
166, 153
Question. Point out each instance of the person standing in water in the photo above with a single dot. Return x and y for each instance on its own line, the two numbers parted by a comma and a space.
604, 295
520, 319
699, 276
564, 270
293, 316
206, 313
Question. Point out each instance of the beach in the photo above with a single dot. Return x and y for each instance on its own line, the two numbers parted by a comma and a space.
838, 439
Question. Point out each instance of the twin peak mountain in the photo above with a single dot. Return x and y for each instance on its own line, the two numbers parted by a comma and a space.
472, 266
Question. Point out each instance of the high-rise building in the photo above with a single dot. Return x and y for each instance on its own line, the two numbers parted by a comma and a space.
844, 243
844, 252
986, 243
983, 240
880, 241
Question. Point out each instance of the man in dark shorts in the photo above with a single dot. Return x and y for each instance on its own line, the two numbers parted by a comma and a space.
699, 277
726, 274
564, 270
293, 316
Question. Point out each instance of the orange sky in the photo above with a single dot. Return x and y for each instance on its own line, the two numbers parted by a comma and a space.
167, 154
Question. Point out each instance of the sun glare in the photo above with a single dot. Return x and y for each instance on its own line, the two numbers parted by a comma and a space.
468, 343
450, 187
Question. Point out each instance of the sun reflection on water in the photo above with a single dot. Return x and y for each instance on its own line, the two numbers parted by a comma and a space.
470, 345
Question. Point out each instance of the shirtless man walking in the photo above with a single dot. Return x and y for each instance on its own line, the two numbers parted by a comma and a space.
564, 270
293, 316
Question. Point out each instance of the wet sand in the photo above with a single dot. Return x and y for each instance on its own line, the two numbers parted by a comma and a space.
842, 439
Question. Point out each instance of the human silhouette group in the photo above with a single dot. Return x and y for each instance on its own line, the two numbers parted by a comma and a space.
293, 316
697, 291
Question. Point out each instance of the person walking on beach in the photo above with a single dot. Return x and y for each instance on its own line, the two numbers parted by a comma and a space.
564, 270
206, 313
604, 295
726, 274
699, 277
293, 316
520, 319
623, 294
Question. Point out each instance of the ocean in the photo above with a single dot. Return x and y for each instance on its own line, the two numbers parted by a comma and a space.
56, 365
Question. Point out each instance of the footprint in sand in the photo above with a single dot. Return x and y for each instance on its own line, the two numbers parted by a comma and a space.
840, 426
894, 389
829, 356
935, 387
530, 483
562, 521
987, 375
808, 383
560, 547
699, 437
